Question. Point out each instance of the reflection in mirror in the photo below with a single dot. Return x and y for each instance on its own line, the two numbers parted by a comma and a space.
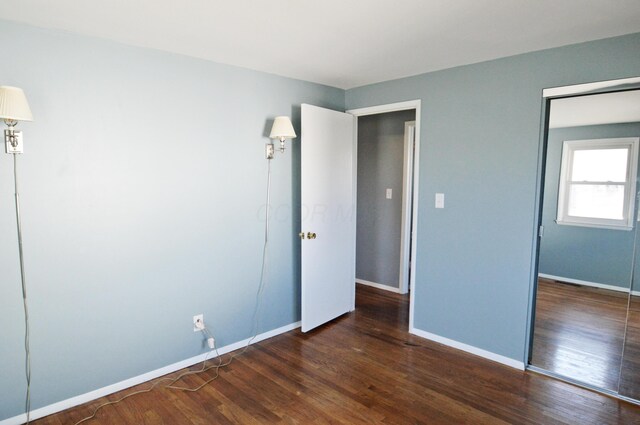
587, 244
630, 371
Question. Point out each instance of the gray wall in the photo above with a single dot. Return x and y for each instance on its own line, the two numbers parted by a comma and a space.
576, 252
143, 185
380, 166
480, 138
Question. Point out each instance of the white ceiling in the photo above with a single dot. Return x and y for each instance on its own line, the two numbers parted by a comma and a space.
608, 108
341, 43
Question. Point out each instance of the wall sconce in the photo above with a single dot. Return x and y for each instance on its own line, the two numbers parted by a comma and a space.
282, 129
13, 108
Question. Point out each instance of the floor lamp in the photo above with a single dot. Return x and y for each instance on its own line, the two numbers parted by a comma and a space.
14, 108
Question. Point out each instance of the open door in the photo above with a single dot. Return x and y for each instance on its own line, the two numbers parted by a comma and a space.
328, 215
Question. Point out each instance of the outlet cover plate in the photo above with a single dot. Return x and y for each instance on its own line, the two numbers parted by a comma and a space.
8, 147
196, 318
269, 151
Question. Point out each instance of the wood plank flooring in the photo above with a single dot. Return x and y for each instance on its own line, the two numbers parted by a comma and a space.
579, 332
363, 368
630, 372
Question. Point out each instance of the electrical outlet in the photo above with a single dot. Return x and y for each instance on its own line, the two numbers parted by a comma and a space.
198, 322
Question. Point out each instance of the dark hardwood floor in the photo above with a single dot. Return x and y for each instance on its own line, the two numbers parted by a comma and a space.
579, 332
630, 372
363, 368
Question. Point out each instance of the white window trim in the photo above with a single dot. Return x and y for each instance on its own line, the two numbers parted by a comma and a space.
570, 146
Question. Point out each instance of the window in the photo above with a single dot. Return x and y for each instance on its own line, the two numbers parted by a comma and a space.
598, 183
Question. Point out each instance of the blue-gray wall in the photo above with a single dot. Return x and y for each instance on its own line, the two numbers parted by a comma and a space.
576, 252
143, 181
380, 166
635, 280
143, 186
480, 139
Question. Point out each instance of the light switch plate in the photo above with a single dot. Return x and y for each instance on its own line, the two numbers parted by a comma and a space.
439, 200
389, 193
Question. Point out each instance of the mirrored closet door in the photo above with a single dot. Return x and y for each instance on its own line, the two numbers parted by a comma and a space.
587, 317
630, 370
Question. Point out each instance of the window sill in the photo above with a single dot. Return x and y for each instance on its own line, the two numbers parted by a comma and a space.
595, 225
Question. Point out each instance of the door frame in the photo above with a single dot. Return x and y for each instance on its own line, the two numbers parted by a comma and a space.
407, 193
410, 228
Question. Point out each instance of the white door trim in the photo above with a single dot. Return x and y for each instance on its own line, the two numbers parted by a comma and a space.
354, 190
393, 107
611, 85
405, 232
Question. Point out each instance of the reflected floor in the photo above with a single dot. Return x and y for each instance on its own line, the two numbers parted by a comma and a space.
579, 332
630, 377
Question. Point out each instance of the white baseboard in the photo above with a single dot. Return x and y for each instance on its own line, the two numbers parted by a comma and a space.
561, 279
635, 293
376, 285
127, 383
469, 348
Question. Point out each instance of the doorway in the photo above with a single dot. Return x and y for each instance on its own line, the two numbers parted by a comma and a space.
387, 168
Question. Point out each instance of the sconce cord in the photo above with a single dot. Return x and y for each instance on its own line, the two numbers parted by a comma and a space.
24, 292
265, 263
220, 364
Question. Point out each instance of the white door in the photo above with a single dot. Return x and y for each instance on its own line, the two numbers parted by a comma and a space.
328, 213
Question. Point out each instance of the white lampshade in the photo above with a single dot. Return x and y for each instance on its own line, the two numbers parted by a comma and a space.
282, 129
13, 104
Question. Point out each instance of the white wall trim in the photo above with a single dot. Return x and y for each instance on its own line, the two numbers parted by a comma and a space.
590, 87
469, 349
561, 279
128, 383
635, 293
376, 285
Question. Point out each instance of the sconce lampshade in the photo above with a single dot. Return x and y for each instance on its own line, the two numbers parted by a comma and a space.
282, 129
13, 104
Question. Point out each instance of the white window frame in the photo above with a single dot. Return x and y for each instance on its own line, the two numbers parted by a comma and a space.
568, 149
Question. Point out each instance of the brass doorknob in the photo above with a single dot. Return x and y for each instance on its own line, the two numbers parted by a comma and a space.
301, 234
311, 235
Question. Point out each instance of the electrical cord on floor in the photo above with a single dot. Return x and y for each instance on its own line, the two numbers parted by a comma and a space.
93, 415
220, 363
27, 344
155, 384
